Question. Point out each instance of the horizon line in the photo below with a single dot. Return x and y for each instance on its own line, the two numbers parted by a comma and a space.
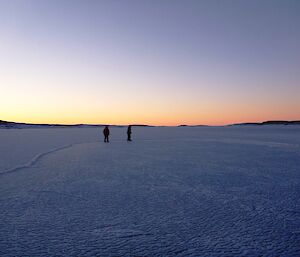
151, 125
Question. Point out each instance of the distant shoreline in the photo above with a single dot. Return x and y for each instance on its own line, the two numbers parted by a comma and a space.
271, 122
11, 125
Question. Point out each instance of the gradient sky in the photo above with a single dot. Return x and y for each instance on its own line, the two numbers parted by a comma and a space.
161, 62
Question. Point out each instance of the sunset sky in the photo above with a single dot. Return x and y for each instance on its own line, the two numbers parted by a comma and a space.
159, 62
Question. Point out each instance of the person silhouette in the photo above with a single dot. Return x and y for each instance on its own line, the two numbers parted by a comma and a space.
129, 133
106, 134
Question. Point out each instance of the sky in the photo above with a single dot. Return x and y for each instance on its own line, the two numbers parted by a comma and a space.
158, 62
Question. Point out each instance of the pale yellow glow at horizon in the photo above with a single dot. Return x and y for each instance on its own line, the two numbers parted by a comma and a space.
68, 104
35, 100
121, 115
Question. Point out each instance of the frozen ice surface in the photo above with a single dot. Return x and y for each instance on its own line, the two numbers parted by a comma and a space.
207, 191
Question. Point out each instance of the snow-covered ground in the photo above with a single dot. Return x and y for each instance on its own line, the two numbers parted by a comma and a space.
207, 191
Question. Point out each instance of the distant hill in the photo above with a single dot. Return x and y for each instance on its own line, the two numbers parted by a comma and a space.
20, 125
183, 125
9, 124
271, 122
141, 125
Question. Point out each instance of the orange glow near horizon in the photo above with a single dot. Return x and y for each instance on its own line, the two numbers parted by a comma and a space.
158, 118
86, 106
73, 106
29, 103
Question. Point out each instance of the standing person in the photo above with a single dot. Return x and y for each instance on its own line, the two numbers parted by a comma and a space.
106, 134
129, 133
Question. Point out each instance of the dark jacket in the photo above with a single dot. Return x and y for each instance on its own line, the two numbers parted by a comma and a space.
106, 131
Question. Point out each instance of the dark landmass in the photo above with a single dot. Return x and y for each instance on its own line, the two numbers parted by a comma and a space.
141, 125
20, 125
9, 124
271, 122
183, 125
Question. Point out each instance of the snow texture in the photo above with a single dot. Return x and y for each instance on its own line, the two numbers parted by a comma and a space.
207, 191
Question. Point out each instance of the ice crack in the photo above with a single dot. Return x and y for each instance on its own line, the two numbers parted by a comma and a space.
34, 160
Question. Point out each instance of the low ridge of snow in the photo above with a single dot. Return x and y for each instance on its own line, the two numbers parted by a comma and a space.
203, 191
